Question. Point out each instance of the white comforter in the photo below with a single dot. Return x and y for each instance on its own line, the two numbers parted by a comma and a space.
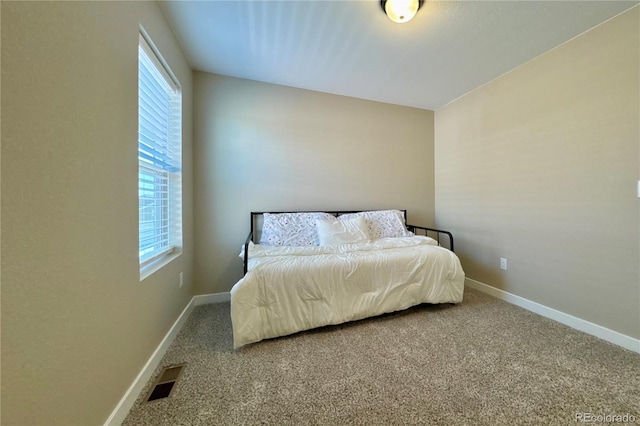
289, 289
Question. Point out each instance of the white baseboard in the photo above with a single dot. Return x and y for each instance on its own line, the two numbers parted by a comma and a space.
573, 322
122, 409
205, 299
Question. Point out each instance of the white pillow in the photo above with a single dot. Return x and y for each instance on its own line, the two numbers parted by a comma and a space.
346, 231
382, 223
291, 229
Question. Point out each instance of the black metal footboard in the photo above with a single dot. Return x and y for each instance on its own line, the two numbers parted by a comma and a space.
246, 251
437, 232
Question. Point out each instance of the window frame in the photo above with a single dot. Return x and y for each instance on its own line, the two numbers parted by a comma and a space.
159, 160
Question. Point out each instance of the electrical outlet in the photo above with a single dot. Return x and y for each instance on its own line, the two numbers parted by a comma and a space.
181, 279
503, 263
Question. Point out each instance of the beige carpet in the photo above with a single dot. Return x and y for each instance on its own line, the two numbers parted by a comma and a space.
482, 362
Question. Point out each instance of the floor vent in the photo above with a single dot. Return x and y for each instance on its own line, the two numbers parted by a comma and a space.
165, 383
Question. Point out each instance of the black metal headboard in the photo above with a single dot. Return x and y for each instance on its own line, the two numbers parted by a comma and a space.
335, 213
413, 228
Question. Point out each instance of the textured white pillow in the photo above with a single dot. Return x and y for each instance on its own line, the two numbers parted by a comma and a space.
291, 229
346, 231
382, 223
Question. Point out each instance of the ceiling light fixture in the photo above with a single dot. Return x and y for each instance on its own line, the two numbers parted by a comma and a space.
401, 11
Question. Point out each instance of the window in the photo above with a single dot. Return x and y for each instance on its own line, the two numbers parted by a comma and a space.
159, 159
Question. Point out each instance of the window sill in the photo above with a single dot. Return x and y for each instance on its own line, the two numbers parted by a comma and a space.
151, 268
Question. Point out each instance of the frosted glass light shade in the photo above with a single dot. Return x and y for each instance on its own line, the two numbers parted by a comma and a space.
401, 11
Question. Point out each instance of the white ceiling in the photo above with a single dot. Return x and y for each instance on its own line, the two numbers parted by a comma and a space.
351, 48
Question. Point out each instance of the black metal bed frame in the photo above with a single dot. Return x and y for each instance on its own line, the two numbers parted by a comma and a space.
412, 228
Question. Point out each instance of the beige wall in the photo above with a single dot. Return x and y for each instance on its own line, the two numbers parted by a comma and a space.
77, 323
264, 147
540, 167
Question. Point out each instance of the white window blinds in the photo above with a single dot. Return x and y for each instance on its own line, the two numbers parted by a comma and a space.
159, 157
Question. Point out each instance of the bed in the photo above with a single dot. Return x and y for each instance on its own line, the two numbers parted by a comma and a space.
312, 269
